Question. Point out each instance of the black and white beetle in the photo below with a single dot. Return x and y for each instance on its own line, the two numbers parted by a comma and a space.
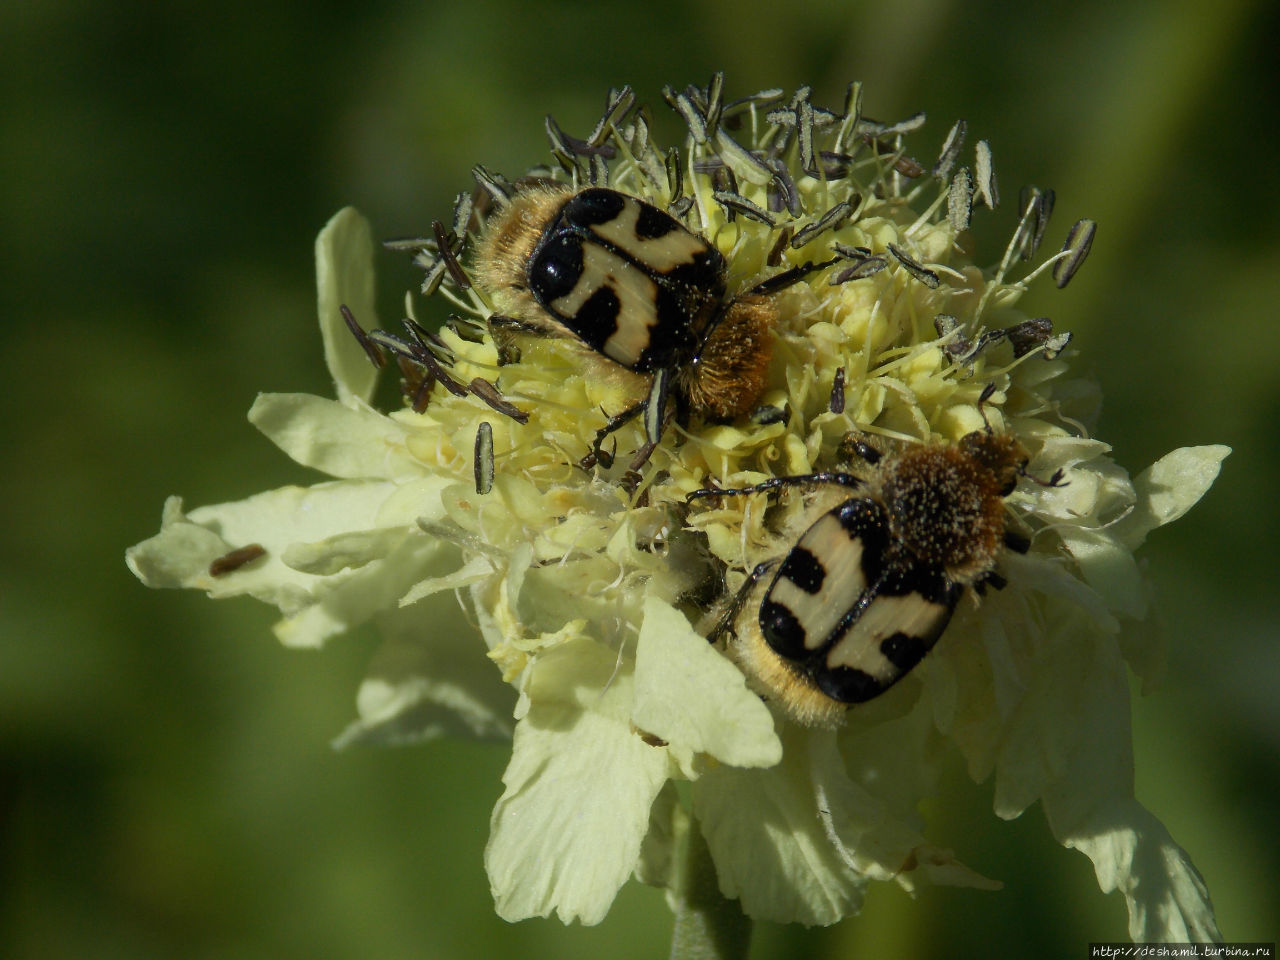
639, 289
871, 584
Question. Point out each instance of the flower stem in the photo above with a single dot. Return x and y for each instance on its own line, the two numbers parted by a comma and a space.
707, 926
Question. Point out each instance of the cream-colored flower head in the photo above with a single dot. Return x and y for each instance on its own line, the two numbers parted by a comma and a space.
588, 591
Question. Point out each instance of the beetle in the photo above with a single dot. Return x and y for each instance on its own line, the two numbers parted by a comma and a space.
866, 590
637, 288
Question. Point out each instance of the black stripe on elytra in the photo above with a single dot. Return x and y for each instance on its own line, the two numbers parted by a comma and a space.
555, 267
590, 207
782, 630
597, 318
904, 651
803, 569
847, 685
865, 519
929, 582
671, 339
653, 223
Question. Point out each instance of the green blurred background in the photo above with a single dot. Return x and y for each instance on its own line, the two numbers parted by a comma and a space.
166, 787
